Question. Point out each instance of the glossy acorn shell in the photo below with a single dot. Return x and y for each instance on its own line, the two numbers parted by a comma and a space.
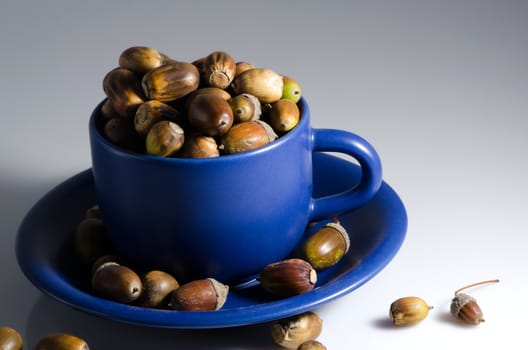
263, 83
288, 277
242, 66
245, 108
61, 341
10, 339
293, 331
246, 136
91, 241
200, 146
121, 132
199, 295
157, 287
164, 139
219, 69
170, 81
206, 90
284, 115
408, 311
124, 92
117, 282
291, 89
140, 59
210, 115
326, 246
153, 111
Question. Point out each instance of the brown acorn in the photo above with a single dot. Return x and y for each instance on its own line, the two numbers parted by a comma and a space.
284, 115
124, 92
157, 287
117, 282
243, 66
61, 341
10, 339
140, 59
245, 108
200, 146
170, 81
218, 69
326, 246
263, 83
206, 90
465, 307
199, 295
295, 330
288, 277
121, 133
210, 114
164, 139
91, 241
246, 136
153, 111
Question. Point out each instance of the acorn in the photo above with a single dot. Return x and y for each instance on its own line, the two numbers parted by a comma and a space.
465, 307
140, 59
245, 108
291, 89
157, 287
170, 81
200, 146
153, 111
117, 282
408, 311
263, 83
107, 111
164, 139
246, 136
206, 90
10, 339
210, 114
288, 277
199, 295
91, 241
326, 246
312, 345
295, 330
124, 91
284, 115
242, 66
121, 133
61, 341
219, 69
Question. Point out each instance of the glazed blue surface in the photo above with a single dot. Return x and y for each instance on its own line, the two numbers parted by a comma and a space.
224, 217
45, 254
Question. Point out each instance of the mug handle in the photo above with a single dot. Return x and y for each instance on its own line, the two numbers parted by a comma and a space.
331, 140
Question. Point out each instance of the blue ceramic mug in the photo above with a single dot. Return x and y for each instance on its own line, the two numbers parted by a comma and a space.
224, 217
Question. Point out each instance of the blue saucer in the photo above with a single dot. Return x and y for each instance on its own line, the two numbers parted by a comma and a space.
45, 254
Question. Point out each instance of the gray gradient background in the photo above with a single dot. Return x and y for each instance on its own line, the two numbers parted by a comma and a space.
439, 88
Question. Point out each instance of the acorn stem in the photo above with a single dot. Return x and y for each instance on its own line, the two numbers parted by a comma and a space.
475, 284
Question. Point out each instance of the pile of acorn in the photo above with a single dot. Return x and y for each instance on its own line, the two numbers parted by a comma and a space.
206, 108
114, 279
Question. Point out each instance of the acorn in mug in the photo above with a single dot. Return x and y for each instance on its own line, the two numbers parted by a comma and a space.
228, 216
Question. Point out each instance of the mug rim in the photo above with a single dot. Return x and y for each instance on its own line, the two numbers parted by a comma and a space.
96, 134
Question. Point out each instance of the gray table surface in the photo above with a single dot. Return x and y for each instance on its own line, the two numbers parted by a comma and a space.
440, 88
